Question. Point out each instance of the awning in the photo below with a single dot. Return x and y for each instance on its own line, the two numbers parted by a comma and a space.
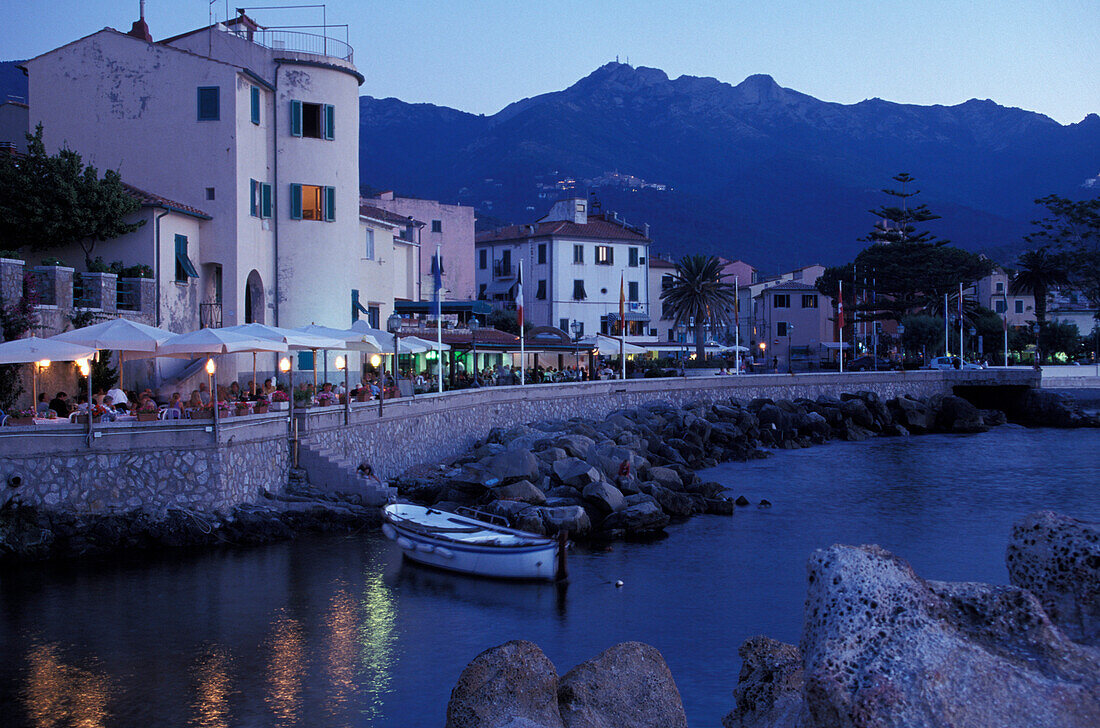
481, 308
636, 316
836, 345
608, 346
499, 287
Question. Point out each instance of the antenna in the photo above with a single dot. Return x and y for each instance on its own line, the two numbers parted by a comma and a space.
141, 10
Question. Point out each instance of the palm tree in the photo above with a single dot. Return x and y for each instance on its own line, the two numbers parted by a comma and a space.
1039, 271
698, 296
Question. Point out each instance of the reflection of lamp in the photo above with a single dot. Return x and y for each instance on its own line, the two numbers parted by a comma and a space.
211, 370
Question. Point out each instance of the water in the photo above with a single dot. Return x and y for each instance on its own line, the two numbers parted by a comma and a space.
339, 632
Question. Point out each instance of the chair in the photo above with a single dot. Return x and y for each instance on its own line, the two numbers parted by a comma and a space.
169, 413
3, 419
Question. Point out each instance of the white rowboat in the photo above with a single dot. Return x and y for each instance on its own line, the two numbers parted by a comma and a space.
460, 543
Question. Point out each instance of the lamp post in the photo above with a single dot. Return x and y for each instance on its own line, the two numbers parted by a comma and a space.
376, 362
790, 362
474, 325
973, 332
393, 325
901, 344
284, 367
38, 367
85, 366
682, 336
763, 356
1036, 329
212, 372
576, 328
342, 363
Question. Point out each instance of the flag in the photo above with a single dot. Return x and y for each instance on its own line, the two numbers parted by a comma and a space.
519, 297
622, 305
437, 286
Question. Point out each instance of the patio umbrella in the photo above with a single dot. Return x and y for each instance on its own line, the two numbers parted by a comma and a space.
33, 349
121, 335
295, 340
404, 346
216, 341
427, 345
353, 340
599, 342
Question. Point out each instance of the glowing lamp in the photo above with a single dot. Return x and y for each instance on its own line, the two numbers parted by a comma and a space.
210, 367
375, 360
85, 367
430, 355
341, 362
762, 346
284, 364
43, 364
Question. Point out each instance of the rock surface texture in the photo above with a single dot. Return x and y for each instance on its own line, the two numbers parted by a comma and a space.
1057, 559
516, 686
769, 688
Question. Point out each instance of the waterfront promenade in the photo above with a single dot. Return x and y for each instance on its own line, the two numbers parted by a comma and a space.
155, 466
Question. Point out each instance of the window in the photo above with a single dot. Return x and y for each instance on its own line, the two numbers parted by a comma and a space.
782, 300
1000, 286
437, 226
1019, 306
578, 253
563, 324
305, 360
184, 268
317, 121
605, 255
632, 257
542, 253
540, 292
666, 283
482, 259
312, 202
209, 193
481, 292
259, 199
255, 105
632, 291
578, 291
209, 103
782, 328
809, 300
653, 333
368, 252
607, 326
374, 315
1000, 307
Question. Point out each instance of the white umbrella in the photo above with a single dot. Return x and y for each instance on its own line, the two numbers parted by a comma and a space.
350, 338
423, 343
599, 342
294, 340
385, 339
216, 341
121, 335
33, 349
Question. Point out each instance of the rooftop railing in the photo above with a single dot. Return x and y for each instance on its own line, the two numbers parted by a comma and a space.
296, 41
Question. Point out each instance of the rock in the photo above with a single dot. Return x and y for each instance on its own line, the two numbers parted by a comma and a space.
709, 489
530, 520
604, 496
1057, 559
718, 506
514, 681
765, 503
552, 454
853, 432
769, 688
1043, 408
856, 410
476, 478
505, 508
515, 465
563, 491
673, 503
640, 518
521, 490
665, 477
575, 445
576, 472
913, 414
741, 501
882, 647
573, 519
955, 414
625, 685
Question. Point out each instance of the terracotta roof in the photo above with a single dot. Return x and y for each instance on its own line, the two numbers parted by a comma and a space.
655, 262
384, 215
790, 286
148, 199
597, 228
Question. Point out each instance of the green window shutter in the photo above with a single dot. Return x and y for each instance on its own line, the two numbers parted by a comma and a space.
209, 103
330, 122
296, 118
265, 200
253, 198
296, 202
255, 105
184, 267
330, 204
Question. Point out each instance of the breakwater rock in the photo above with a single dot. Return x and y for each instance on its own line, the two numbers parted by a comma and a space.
631, 473
883, 647
515, 685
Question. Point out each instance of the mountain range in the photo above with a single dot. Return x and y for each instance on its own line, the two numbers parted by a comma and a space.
752, 171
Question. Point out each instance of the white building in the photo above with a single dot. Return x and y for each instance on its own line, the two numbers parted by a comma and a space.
257, 128
390, 262
573, 263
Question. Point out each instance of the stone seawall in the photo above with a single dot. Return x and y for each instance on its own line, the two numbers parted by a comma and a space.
435, 428
149, 467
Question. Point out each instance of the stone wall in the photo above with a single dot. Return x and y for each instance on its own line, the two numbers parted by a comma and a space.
144, 466
434, 428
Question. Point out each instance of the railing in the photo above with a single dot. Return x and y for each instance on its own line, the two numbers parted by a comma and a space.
81, 293
296, 41
128, 294
501, 269
210, 315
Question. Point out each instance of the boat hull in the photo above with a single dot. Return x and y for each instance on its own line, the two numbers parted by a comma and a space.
528, 562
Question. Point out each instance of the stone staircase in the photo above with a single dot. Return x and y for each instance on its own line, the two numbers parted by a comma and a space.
337, 473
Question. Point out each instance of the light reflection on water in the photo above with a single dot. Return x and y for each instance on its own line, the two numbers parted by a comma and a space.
339, 632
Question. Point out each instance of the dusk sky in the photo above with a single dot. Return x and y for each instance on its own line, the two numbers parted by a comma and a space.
480, 56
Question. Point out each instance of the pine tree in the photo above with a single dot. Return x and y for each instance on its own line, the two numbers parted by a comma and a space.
897, 223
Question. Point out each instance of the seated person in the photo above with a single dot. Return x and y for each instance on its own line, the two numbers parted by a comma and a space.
121, 401
60, 404
111, 413
175, 403
42, 407
195, 402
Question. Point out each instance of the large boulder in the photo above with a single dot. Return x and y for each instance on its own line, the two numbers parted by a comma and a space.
857, 411
955, 414
769, 688
521, 490
665, 477
673, 503
575, 445
604, 496
882, 647
575, 472
514, 681
1057, 559
913, 414
514, 465
637, 519
1043, 408
625, 685
573, 519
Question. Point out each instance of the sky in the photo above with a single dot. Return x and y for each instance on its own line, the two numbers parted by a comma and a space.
480, 55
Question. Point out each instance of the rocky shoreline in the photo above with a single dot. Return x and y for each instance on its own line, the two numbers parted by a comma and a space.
632, 473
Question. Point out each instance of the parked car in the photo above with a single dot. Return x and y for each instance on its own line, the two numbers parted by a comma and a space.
948, 363
870, 363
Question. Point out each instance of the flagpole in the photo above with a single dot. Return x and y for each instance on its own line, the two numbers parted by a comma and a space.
438, 314
519, 315
1005, 322
736, 329
946, 329
961, 349
840, 327
622, 328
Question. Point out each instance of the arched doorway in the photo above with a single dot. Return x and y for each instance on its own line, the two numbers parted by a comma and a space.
254, 299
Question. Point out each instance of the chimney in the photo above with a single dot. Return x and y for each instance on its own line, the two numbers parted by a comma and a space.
140, 28
387, 195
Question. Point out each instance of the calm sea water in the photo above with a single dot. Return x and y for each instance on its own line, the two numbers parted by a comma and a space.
340, 632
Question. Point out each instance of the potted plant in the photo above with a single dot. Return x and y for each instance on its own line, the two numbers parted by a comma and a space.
325, 399
362, 395
205, 413
97, 414
259, 407
147, 411
23, 417
280, 401
302, 398
243, 408
225, 409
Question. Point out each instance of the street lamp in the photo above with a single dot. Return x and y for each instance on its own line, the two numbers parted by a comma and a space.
790, 362
1035, 328
212, 372
576, 327
474, 325
393, 325
376, 362
901, 344
681, 334
38, 367
284, 367
973, 332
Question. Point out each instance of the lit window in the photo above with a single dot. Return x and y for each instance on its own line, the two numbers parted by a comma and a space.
605, 255
809, 301
312, 202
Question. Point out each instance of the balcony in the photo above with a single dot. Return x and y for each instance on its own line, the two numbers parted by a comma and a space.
502, 269
296, 42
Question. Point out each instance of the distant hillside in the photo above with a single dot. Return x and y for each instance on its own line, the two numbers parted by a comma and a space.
754, 171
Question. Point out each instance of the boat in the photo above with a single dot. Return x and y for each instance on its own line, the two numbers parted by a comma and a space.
470, 545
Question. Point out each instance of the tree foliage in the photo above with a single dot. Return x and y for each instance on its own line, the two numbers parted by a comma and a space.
1072, 228
923, 334
1039, 272
50, 201
699, 295
16, 320
897, 221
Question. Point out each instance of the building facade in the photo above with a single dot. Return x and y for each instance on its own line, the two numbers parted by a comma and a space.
992, 292
573, 266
